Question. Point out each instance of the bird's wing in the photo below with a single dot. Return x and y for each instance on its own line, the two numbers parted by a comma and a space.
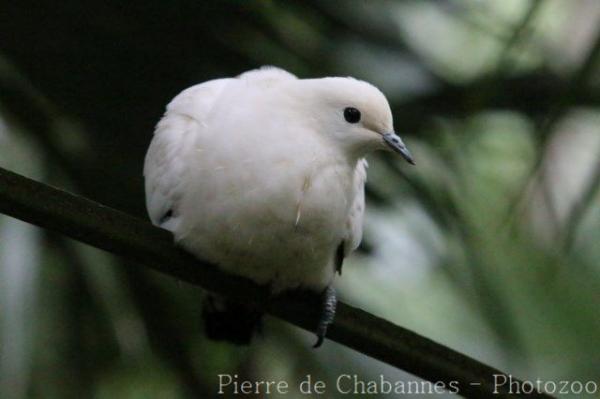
168, 158
354, 223
172, 147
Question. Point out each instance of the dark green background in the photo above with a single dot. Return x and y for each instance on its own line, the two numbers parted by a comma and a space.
489, 245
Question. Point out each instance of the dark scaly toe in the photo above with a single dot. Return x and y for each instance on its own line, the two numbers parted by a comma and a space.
329, 301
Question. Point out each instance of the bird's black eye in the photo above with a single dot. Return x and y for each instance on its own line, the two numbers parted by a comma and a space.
351, 115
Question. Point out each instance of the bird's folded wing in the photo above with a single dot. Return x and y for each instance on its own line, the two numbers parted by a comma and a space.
354, 223
167, 162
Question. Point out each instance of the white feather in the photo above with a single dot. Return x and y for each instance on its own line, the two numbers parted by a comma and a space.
168, 159
262, 174
357, 210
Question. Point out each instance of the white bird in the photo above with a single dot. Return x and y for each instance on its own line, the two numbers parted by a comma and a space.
263, 175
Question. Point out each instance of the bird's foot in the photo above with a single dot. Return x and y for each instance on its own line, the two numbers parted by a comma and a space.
329, 302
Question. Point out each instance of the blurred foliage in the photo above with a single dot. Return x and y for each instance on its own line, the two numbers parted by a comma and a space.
489, 245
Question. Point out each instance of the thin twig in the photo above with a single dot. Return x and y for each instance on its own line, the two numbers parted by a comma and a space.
519, 34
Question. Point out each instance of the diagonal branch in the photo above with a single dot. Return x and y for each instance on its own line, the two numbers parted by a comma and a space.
137, 240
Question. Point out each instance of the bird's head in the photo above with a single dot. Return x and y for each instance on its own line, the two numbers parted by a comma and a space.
353, 113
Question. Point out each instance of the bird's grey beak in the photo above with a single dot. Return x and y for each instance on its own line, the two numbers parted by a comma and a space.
396, 144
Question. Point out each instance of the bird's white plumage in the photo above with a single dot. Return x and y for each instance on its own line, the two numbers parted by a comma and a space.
357, 210
254, 173
167, 163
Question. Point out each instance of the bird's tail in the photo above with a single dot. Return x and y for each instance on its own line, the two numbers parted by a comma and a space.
225, 320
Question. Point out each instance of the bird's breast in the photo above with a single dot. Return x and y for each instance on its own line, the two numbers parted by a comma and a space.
269, 216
